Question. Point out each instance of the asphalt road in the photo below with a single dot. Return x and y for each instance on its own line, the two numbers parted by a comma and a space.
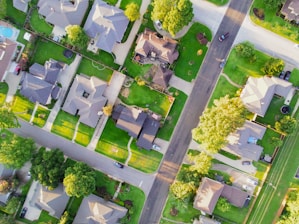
195, 105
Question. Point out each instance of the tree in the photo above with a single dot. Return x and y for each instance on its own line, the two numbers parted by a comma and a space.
132, 11
7, 118
15, 151
4, 186
79, 180
48, 167
286, 125
182, 190
275, 141
216, 123
12, 205
246, 50
272, 4
76, 36
6, 219
173, 14
273, 66
201, 163
65, 218
223, 205
3, 8
292, 210
107, 110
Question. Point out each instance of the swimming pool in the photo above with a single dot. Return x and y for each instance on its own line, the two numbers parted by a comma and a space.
6, 31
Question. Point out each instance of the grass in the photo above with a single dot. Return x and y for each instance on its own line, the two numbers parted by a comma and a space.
21, 37
39, 24
90, 68
229, 155
14, 15
84, 134
102, 180
266, 141
222, 88
64, 125
188, 63
261, 169
177, 107
46, 218
22, 107
219, 2
295, 77
274, 23
40, 117
44, 50
3, 92
73, 205
144, 97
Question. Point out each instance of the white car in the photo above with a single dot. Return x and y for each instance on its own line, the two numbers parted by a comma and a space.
156, 147
246, 187
253, 182
158, 24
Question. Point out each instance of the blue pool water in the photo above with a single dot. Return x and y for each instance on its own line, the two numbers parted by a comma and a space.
6, 31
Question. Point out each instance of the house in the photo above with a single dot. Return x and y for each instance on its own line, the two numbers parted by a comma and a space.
150, 46
62, 13
85, 98
40, 84
5, 173
52, 201
21, 5
290, 10
106, 25
7, 53
210, 191
258, 93
205, 220
96, 210
137, 123
161, 76
243, 141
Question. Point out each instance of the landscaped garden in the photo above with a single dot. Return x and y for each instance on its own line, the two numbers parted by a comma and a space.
39, 24
84, 134
41, 115
22, 107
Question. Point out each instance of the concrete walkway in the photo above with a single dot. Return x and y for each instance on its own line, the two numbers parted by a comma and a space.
230, 81
13, 82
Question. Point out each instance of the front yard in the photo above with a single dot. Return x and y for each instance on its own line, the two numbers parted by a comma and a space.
22, 107
3, 92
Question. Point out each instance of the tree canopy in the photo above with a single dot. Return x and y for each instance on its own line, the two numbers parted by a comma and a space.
216, 123
273, 66
79, 180
7, 118
246, 50
292, 209
173, 14
76, 36
286, 125
223, 205
132, 11
182, 190
15, 151
48, 167
272, 4
201, 162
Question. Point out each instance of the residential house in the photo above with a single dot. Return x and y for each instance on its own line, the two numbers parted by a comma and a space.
243, 141
5, 173
210, 191
7, 53
137, 123
52, 201
106, 25
151, 46
40, 84
21, 5
290, 10
85, 98
96, 210
62, 13
161, 76
258, 93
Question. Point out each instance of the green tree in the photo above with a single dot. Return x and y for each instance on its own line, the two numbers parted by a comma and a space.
65, 218
292, 211
76, 36
186, 175
182, 190
6, 219
245, 50
223, 205
3, 9
286, 125
4, 186
79, 180
7, 118
48, 167
273, 66
173, 14
132, 11
272, 4
201, 163
216, 123
275, 141
15, 151
12, 205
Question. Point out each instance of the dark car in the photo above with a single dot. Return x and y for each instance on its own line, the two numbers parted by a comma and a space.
119, 165
287, 75
223, 37
281, 75
246, 162
222, 64
23, 212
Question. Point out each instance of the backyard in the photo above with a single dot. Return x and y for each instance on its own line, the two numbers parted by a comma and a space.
267, 141
3, 92
39, 25
13, 15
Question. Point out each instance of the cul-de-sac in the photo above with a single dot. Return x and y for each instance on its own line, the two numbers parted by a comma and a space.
149, 111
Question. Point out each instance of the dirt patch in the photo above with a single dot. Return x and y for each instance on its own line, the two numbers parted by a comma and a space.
259, 13
125, 92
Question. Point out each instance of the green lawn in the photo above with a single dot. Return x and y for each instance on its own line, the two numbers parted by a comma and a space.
39, 24
73, 205
188, 63
3, 92
180, 99
222, 88
91, 68
22, 107
219, 2
41, 115
84, 134
46, 218
261, 169
44, 50
14, 15
274, 22
144, 97
266, 141
295, 77
229, 155
21, 37
102, 180
64, 125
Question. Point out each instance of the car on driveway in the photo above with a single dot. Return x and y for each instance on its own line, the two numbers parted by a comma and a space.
247, 188
23, 212
281, 75
119, 165
251, 181
222, 64
156, 147
287, 75
224, 36
158, 24
246, 162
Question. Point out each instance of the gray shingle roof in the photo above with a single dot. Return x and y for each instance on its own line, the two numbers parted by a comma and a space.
290, 10
148, 133
7, 52
106, 24
21, 5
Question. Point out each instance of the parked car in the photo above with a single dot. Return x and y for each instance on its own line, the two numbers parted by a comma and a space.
281, 75
119, 165
287, 75
223, 36
222, 64
251, 181
158, 24
247, 188
245, 162
23, 212
156, 147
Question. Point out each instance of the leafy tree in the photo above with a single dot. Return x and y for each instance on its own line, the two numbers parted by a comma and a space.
201, 163
7, 118
292, 208
4, 186
15, 151
223, 205
272, 4
173, 14
275, 141
76, 36
3, 8
182, 190
246, 50
216, 123
12, 205
286, 125
65, 218
273, 66
48, 167
6, 219
186, 175
132, 11
79, 180
107, 110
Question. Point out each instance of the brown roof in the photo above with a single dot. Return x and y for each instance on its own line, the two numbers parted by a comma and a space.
163, 48
234, 195
162, 76
7, 52
290, 10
